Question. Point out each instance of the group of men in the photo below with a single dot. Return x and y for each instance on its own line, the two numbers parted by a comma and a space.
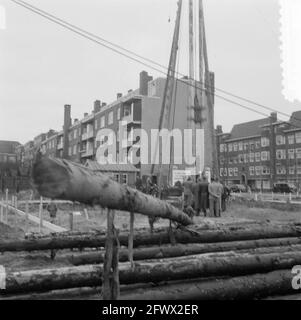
202, 195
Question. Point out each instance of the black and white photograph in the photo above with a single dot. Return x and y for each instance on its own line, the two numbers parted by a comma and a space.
150, 151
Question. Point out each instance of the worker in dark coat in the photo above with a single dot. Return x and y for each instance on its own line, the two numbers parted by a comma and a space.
225, 196
204, 195
187, 185
196, 197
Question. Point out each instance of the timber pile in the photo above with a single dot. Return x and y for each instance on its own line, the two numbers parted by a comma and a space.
160, 237
188, 262
236, 264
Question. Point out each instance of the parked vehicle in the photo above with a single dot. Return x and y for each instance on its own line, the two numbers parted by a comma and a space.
284, 188
238, 188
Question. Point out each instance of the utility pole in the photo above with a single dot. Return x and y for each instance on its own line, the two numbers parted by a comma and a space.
207, 95
190, 107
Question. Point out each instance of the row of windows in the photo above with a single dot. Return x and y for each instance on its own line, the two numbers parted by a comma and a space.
261, 170
248, 157
246, 146
291, 139
291, 170
292, 153
264, 142
6, 158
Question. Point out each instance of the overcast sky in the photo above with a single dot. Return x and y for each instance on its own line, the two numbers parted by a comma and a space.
43, 66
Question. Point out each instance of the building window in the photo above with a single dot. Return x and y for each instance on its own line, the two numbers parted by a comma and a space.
291, 139
298, 137
281, 170
116, 177
298, 169
257, 144
235, 172
280, 154
265, 155
241, 158
291, 153
222, 160
257, 156
230, 147
251, 157
291, 170
124, 178
127, 110
102, 122
75, 149
110, 118
240, 146
265, 142
246, 146
251, 170
230, 172
252, 146
258, 171
280, 140
298, 153
221, 172
235, 147
221, 147
246, 158
265, 170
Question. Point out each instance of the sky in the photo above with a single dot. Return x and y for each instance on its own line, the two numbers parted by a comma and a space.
43, 66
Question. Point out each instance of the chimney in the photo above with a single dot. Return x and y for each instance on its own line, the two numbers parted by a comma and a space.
273, 117
86, 114
119, 95
219, 129
143, 85
97, 106
103, 104
131, 90
67, 124
75, 121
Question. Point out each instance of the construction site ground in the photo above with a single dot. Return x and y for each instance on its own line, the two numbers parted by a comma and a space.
236, 213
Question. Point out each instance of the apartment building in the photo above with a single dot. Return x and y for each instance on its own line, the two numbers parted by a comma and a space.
137, 109
261, 153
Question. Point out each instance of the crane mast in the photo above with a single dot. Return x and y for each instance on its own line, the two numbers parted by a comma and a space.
165, 114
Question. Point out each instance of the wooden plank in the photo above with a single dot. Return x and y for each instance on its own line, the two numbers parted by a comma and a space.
46, 224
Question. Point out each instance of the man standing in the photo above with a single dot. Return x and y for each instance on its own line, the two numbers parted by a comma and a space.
196, 196
187, 192
52, 209
215, 193
204, 195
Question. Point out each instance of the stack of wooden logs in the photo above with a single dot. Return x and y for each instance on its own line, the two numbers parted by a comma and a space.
248, 261
242, 261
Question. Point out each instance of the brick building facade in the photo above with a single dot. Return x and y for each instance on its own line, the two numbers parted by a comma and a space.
261, 153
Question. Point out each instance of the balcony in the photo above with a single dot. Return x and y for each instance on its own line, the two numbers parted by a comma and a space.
60, 145
87, 153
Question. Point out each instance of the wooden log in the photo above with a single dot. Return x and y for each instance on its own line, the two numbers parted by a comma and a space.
157, 238
110, 269
62, 179
206, 265
238, 288
167, 251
